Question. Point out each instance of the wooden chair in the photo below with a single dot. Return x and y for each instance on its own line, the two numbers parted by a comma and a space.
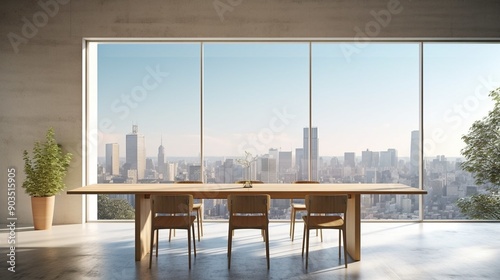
325, 212
248, 212
298, 205
198, 207
172, 212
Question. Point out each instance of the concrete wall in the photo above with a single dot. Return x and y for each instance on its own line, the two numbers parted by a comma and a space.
41, 54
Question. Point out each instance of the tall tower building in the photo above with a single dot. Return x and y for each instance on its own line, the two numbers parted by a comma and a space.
136, 152
194, 173
285, 161
161, 161
299, 163
367, 158
313, 156
394, 157
112, 159
267, 170
385, 160
415, 153
285, 171
350, 159
274, 153
171, 172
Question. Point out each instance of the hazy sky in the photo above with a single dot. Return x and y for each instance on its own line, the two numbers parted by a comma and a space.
256, 95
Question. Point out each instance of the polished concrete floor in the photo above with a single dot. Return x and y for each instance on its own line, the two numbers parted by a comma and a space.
389, 251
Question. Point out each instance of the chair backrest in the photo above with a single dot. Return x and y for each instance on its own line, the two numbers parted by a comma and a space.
248, 204
301, 200
197, 200
181, 204
326, 204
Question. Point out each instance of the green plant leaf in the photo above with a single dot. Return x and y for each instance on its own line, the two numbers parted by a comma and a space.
46, 170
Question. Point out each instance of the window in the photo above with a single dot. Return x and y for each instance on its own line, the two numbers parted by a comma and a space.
365, 107
167, 111
256, 101
148, 114
457, 80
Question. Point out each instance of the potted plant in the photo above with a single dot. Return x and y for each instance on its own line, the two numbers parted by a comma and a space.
44, 178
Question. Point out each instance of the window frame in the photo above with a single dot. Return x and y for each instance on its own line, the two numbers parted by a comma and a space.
89, 96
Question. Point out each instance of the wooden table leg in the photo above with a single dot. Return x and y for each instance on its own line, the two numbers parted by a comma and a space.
142, 225
353, 224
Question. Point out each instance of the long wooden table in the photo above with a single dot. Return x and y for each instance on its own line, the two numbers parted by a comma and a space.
143, 192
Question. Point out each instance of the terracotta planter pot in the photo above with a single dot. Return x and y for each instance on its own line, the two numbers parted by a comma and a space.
43, 211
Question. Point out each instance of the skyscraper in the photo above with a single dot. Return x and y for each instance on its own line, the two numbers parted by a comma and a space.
274, 153
267, 169
367, 158
415, 153
388, 159
112, 159
299, 163
161, 161
350, 159
385, 160
136, 152
314, 154
194, 173
285, 172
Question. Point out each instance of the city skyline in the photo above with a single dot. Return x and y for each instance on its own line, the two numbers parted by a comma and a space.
358, 155
443, 178
114, 147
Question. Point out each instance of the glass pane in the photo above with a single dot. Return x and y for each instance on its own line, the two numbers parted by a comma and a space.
365, 107
458, 78
148, 114
256, 101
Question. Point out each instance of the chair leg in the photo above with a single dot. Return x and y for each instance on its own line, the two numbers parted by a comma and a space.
267, 247
307, 247
320, 234
303, 239
229, 242
339, 244
294, 215
189, 247
170, 234
345, 250
151, 247
157, 241
194, 239
291, 221
198, 222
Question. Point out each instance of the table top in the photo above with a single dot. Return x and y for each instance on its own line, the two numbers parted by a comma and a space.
277, 191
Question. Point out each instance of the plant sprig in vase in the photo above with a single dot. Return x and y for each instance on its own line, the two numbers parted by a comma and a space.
45, 173
247, 162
